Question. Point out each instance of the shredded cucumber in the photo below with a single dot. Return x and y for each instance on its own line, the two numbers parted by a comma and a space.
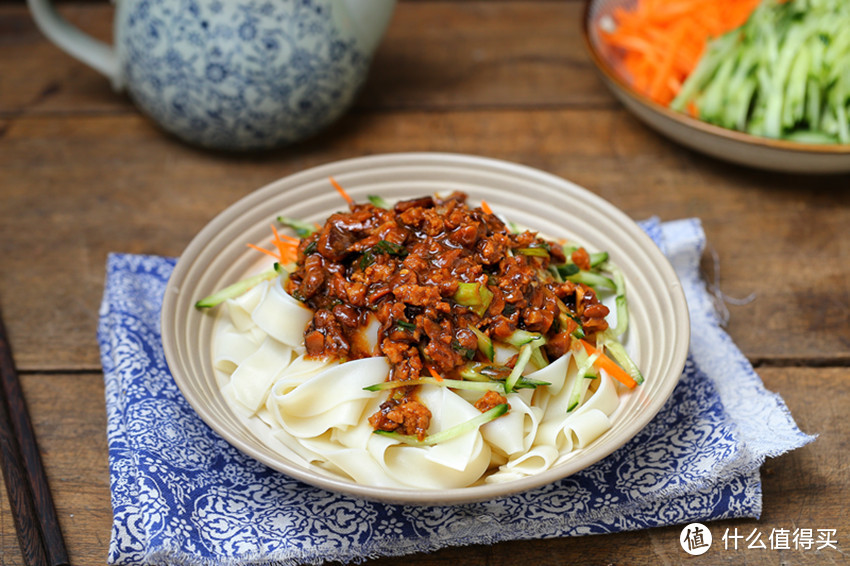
238, 288
784, 74
302, 229
522, 360
586, 373
618, 352
467, 385
449, 433
521, 337
621, 302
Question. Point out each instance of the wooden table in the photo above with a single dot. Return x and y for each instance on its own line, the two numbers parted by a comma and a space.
82, 173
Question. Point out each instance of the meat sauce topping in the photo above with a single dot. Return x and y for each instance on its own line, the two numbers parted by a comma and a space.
428, 270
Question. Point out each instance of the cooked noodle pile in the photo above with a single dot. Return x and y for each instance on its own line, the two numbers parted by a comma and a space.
427, 345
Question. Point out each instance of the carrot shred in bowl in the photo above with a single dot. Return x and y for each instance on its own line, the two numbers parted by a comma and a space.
659, 42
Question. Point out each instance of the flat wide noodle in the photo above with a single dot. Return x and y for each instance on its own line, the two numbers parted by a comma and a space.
252, 379
277, 307
316, 411
513, 434
333, 398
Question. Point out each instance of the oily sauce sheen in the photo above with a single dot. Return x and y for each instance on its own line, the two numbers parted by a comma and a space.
404, 268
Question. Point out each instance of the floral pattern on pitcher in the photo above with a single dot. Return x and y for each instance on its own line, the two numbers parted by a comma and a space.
239, 74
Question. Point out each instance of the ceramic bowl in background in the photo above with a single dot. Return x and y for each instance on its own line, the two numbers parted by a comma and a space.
723, 143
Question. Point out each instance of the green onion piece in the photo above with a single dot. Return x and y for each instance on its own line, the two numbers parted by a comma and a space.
236, 289
406, 326
468, 353
449, 433
537, 252
302, 229
378, 201
475, 296
486, 298
367, 259
386, 247
485, 344
382, 247
467, 294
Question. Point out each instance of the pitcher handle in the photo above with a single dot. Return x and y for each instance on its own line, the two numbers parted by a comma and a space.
93, 52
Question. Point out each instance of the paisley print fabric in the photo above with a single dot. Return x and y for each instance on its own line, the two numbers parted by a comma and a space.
182, 495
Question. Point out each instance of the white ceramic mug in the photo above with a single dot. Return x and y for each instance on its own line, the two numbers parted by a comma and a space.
233, 74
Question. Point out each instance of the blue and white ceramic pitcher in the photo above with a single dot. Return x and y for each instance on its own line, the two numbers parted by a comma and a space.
233, 74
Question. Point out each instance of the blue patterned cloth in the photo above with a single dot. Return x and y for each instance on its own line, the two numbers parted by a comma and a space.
182, 495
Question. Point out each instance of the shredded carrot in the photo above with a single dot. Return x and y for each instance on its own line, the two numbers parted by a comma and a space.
286, 246
277, 242
486, 207
341, 191
660, 43
264, 250
434, 373
287, 239
693, 110
603, 362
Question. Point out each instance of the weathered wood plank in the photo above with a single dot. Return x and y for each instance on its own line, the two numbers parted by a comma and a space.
484, 54
807, 488
435, 55
38, 77
70, 425
76, 188
82, 174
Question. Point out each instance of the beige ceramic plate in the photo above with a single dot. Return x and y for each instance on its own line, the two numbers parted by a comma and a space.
658, 338
730, 145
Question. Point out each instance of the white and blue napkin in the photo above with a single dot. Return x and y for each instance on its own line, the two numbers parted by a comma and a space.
182, 495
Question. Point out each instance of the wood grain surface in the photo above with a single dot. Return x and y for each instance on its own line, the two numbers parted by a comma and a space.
83, 174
